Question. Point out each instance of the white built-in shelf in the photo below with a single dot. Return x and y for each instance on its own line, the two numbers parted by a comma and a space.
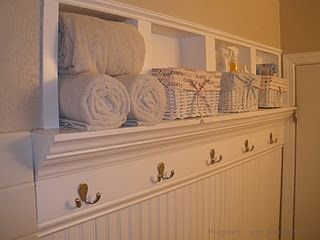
169, 42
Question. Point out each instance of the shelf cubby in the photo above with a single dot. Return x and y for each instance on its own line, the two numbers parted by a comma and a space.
244, 56
263, 57
176, 48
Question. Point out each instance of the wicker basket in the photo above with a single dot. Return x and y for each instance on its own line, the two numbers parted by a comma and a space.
239, 92
273, 92
190, 93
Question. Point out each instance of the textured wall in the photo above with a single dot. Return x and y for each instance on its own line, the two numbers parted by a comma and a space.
256, 20
19, 64
19, 109
300, 24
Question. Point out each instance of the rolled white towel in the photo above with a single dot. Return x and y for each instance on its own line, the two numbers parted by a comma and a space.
90, 44
147, 97
96, 100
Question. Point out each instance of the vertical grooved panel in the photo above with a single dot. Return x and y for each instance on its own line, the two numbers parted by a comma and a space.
171, 215
230, 212
256, 182
241, 202
74, 233
250, 199
238, 206
145, 220
212, 197
88, 230
59, 235
135, 223
186, 213
179, 213
101, 228
154, 215
217, 209
206, 208
163, 216
261, 195
244, 217
124, 224
200, 209
194, 205
114, 226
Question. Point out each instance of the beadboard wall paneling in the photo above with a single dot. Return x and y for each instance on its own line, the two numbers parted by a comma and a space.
240, 203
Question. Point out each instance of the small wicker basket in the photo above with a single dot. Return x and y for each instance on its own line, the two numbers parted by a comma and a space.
273, 92
190, 93
239, 92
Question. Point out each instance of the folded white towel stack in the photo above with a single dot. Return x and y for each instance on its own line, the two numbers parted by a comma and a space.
96, 100
147, 97
90, 44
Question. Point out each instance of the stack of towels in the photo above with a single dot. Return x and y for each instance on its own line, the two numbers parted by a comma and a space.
99, 80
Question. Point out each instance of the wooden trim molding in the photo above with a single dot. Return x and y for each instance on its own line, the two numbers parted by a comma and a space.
57, 151
290, 62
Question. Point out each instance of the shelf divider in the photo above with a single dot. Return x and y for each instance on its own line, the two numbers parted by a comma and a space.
49, 65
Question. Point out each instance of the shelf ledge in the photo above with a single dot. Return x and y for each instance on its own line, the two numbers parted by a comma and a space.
57, 150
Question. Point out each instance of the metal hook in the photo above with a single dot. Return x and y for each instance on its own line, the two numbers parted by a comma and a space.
247, 148
213, 158
272, 140
161, 174
83, 191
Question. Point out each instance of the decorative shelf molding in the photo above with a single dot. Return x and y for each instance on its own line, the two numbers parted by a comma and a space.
64, 151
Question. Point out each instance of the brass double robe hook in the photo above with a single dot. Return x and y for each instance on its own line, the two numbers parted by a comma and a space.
272, 140
161, 174
246, 147
213, 158
83, 191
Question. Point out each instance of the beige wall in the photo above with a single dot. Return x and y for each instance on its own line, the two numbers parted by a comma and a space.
300, 24
256, 20
19, 109
19, 64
